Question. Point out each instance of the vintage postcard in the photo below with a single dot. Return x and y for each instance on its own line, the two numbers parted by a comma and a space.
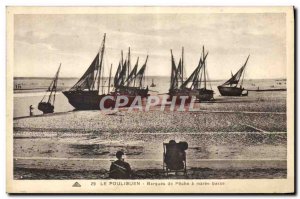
150, 100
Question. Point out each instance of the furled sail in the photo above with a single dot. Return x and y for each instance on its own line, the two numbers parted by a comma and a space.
88, 78
174, 79
176, 72
122, 76
141, 74
52, 88
194, 76
234, 80
116, 79
180, 71
93, 73
133, 73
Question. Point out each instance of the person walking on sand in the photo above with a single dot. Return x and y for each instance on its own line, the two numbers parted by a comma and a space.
30, 110
120, 169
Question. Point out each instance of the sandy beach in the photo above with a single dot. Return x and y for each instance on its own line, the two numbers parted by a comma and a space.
234, 137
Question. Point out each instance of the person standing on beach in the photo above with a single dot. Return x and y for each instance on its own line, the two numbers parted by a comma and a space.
120, 169
30, 110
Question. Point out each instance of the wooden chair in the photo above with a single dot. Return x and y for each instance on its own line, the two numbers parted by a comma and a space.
174, 157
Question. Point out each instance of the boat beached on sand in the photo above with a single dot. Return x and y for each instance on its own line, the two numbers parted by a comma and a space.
200, 81
48, 106
130, 82
195, 85
85, 94
234, 87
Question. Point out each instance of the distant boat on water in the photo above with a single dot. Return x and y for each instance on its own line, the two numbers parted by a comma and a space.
152, 84
233, 86
48, 106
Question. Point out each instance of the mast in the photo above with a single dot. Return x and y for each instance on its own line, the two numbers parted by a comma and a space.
54, 84
204, 69
100, 63
137, 63
144, 75
109, 79
122, 63
182, 66
172, 68
128, 62
103, 81
244, 70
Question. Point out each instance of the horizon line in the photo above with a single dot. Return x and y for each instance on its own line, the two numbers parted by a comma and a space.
43, 77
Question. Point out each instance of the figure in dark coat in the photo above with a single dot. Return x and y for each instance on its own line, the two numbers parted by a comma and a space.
120, 169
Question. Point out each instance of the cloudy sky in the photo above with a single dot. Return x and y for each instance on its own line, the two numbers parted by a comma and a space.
44, 41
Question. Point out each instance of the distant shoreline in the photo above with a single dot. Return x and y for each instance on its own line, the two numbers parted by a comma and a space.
213, 80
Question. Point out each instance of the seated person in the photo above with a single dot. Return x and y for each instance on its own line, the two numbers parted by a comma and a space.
120, 169
174, 156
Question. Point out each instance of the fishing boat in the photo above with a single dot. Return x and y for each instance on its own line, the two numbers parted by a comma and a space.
196, 83
204, 94
177, 88
152, 84
87, 93
233, 86
48, 106
130, 82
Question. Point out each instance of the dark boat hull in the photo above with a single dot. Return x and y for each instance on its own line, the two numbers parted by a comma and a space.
133, 91
87, 100
46, 107
178, 94
230, 91
205, 95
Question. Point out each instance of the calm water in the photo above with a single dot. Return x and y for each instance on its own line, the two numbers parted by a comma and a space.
30, 91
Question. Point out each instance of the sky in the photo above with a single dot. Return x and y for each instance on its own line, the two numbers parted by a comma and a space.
42, 41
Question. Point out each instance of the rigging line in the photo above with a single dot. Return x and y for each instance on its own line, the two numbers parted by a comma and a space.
244, 70
103, 73
109, 79
97, 73
101, 60
56, 79
47, 91
53, 86
182, 57
208, 80
204, 69
146, 74
44, 95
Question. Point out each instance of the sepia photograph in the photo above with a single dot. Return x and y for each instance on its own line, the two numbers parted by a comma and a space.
150, 99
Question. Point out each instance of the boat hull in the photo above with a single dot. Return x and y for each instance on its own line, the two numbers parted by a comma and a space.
133, 91
46, 107
87, 100
230, 91
180, 93
205, 95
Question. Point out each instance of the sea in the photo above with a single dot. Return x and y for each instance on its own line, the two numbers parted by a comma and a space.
31, 90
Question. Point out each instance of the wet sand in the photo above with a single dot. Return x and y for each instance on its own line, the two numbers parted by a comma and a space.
238, 137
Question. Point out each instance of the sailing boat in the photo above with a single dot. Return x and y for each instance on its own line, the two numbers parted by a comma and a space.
48, 106
230, 87
84, 95
192, 84
177, 86
152, 84
204, 94
131, 82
